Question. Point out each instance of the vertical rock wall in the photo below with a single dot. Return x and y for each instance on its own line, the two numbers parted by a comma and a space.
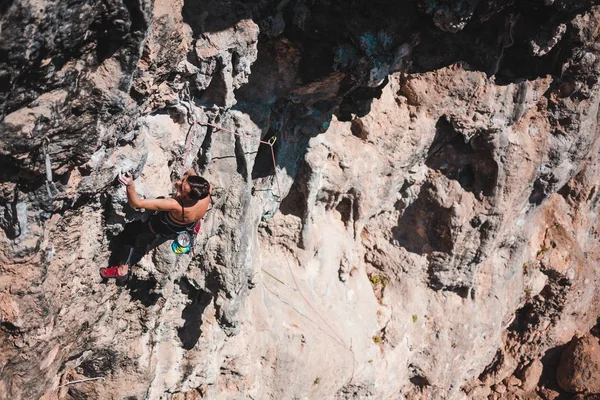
429, 229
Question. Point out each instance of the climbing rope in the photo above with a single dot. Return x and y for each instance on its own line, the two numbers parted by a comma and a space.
270, 143
82, 380
336, 337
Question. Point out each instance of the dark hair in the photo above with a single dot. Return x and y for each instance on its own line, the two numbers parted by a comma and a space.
199, 187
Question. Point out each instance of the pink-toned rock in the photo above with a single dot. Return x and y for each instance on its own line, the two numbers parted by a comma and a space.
409, 202
579, 368
9, 311
531, 376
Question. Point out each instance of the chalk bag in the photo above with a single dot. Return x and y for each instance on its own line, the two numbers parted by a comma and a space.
182, 244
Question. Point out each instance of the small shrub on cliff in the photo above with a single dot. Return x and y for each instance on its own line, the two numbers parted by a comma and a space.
379, 280
543, 249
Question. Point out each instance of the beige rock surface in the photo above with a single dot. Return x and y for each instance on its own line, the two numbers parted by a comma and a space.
429, 229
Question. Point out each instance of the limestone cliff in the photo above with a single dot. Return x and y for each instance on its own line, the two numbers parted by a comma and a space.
429, 229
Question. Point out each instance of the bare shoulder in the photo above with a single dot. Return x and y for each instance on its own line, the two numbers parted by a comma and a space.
202, 206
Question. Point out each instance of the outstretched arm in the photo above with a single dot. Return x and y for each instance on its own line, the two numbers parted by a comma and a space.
149, 204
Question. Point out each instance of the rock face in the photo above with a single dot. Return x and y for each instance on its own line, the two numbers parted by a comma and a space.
429, 228
579, 368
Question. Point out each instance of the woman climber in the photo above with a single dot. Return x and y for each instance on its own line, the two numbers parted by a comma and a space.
176, 214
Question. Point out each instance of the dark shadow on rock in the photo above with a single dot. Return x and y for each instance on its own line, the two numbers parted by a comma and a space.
101, 362
9, 216
240, 158
419, 381
525, 318
274, 74
11, 167
203, 160
215, 94
263, 163
214, 15
142, 290
295, 202
471, 164
5, 5
493, 366
550, 361
516, 62
345, 207
111, 34
543, 187
118, 30
498, 42
549, 304
358, 102
596, 329
424, 227
190, 332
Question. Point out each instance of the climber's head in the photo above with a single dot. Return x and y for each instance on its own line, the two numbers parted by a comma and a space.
193, 187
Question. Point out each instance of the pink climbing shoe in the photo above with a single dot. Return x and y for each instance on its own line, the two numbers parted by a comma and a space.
113, 272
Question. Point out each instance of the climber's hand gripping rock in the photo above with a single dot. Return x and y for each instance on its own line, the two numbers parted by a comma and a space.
125, 178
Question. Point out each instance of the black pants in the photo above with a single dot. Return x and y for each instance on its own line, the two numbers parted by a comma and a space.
130, 245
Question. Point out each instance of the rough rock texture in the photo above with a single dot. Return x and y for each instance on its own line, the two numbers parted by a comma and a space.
579, 368
430, 229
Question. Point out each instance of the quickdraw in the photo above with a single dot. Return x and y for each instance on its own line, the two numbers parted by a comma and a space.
48, 165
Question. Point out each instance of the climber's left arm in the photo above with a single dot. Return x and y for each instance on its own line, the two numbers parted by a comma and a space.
149, 204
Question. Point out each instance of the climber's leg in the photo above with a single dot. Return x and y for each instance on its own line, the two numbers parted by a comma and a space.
123, 250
